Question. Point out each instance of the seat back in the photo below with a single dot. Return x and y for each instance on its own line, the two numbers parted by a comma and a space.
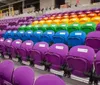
15, 35
23, 75
49, 79
60, 37
37, 53
76, 38
56, 55
8, 34
48, 36
80, 60
22, 35
6, 72
29, 34
93, 40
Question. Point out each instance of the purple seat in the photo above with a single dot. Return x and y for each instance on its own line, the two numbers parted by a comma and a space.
6, 49
80, 60
98, 27
23, 52
56, 55
1, 46
49, 79
6, 72
93, 40
97, 68
13, 48
23, 75
37, 53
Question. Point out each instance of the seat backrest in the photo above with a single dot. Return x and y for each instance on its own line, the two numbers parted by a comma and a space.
23, 75
29, 34
8, 42
93, 40
1, 41
83, 51
16, 43
49, 79
59, 48
6, 70
27, 45
41, 46
97, 63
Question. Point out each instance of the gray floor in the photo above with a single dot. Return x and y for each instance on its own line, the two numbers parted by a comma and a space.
40, 72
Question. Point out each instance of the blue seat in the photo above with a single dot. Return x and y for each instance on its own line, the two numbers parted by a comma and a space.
76, 38
29, 34
37, 36
22, 35
61, 37
15, 35
8, 34
48, 36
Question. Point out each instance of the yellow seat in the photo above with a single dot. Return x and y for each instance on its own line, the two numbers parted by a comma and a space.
96, 19
84, 20
56, 21
35, 22
64, 21
49, 22
42, 22
74, 20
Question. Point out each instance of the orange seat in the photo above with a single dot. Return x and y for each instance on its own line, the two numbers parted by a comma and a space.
46, 18
51, 18
82, 15
74, 20
58, 17
65, 16
84, 20
92, 15
73, 16
96, 19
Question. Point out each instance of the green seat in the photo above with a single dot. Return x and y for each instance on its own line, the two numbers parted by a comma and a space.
44, 27
73, 27
88, 27
29, 27
53, 27
62, 27
22, 28
35, 28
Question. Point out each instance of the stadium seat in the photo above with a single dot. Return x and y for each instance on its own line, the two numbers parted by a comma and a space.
16, 44
98, 27
6, 72
35, 28
37, 53
44, 27
93, 40
6, 49
53, 27
88, 27
37, 36
76, 38
8, 34
65, 21
97, 69
80, 61
15, 35
29, 34
22, 28
74, 20
96, 19
49, 79
73, 27
29, 27
61, 37
22, 35
49, 22
62, 27
55, 57
1, 46
84, 20
23, 75
48, 36
23, 51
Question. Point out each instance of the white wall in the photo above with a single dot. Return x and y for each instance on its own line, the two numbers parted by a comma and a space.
47, 3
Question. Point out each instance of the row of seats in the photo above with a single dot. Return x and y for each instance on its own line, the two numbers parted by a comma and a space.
72, 39
78, 61
83, 20
24, 75
87, 27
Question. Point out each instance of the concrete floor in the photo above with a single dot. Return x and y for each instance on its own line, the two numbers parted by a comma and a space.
40, 72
